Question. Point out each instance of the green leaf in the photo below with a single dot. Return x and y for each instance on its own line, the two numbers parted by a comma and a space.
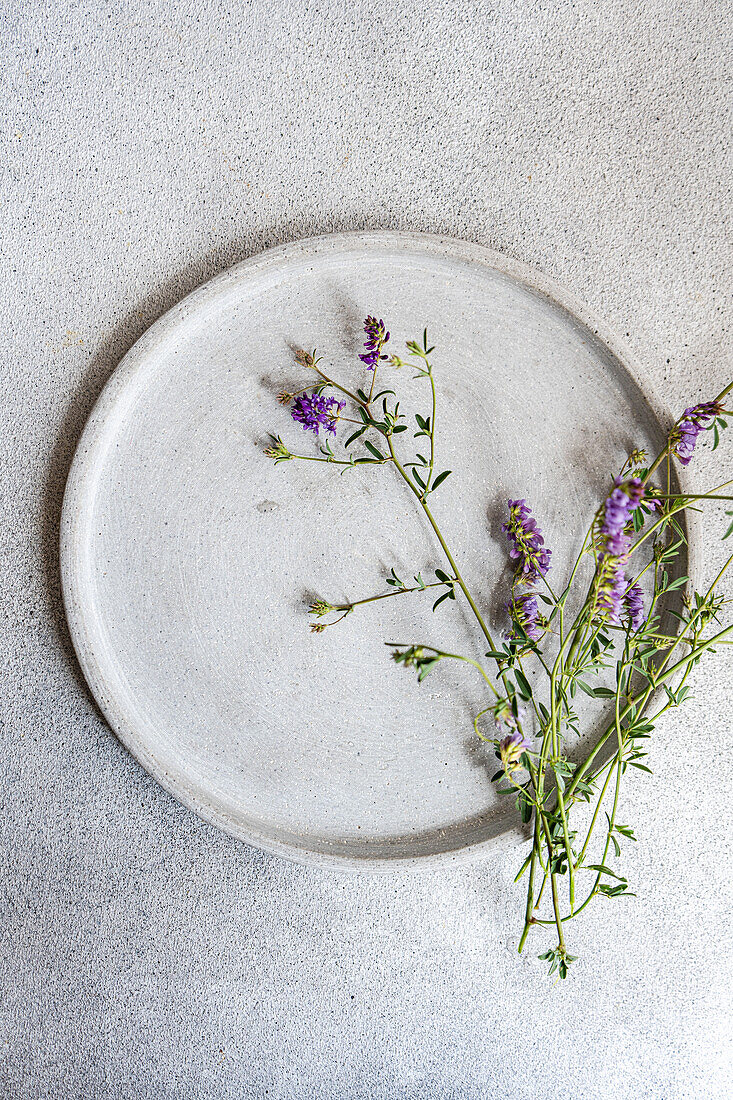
442, 576
523, 684
604, 870
440, 479
729, 532
426, 667
373, 450
586, 688
418, 479
354, 435
446, 596
399, 428
526, 863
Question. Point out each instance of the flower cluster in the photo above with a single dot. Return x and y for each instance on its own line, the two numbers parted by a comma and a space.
525, 613
376, 338
614, 592
634, 600
526, 544
511, 748
315, 411
693, 421
320, 608
278, 450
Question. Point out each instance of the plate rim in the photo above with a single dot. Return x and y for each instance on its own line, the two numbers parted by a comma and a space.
83, 463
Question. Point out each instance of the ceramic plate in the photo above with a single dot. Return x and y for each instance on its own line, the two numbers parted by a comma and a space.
189, 559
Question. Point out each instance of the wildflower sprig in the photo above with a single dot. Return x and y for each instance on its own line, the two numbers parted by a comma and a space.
614, 650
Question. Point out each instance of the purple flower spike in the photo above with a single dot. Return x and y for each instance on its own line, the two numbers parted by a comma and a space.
525, 612
612, 587
693, 421
526, 544
634, 600
617, 510
313, 411
614, 595
376, 338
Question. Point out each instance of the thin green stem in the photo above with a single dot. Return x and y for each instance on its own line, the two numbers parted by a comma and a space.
387, 595
432, 431
338, 461
354, 397
530, 887
442, 542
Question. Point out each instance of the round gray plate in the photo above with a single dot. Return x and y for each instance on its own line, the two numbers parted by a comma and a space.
188, 558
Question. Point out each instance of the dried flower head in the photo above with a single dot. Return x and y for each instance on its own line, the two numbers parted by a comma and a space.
317, 628
277, 450
306, 358
321, 608
409, 657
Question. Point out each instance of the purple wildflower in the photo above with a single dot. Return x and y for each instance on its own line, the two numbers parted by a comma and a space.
511, 748
525, 612
376, 338
693, 421
313, 410
526, 544
612, 585
634, 600
617, 510
615, 544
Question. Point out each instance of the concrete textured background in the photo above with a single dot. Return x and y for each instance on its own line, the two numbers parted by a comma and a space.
147, 146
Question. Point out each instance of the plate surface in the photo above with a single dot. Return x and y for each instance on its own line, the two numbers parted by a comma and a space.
188, 558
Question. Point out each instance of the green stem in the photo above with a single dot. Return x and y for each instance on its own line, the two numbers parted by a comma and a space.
443, 544
530, 888
583, 850
453, 657
338, 461
387, 595
354, 397
432, 432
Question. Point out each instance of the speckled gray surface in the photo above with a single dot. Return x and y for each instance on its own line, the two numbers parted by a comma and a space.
144, 954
